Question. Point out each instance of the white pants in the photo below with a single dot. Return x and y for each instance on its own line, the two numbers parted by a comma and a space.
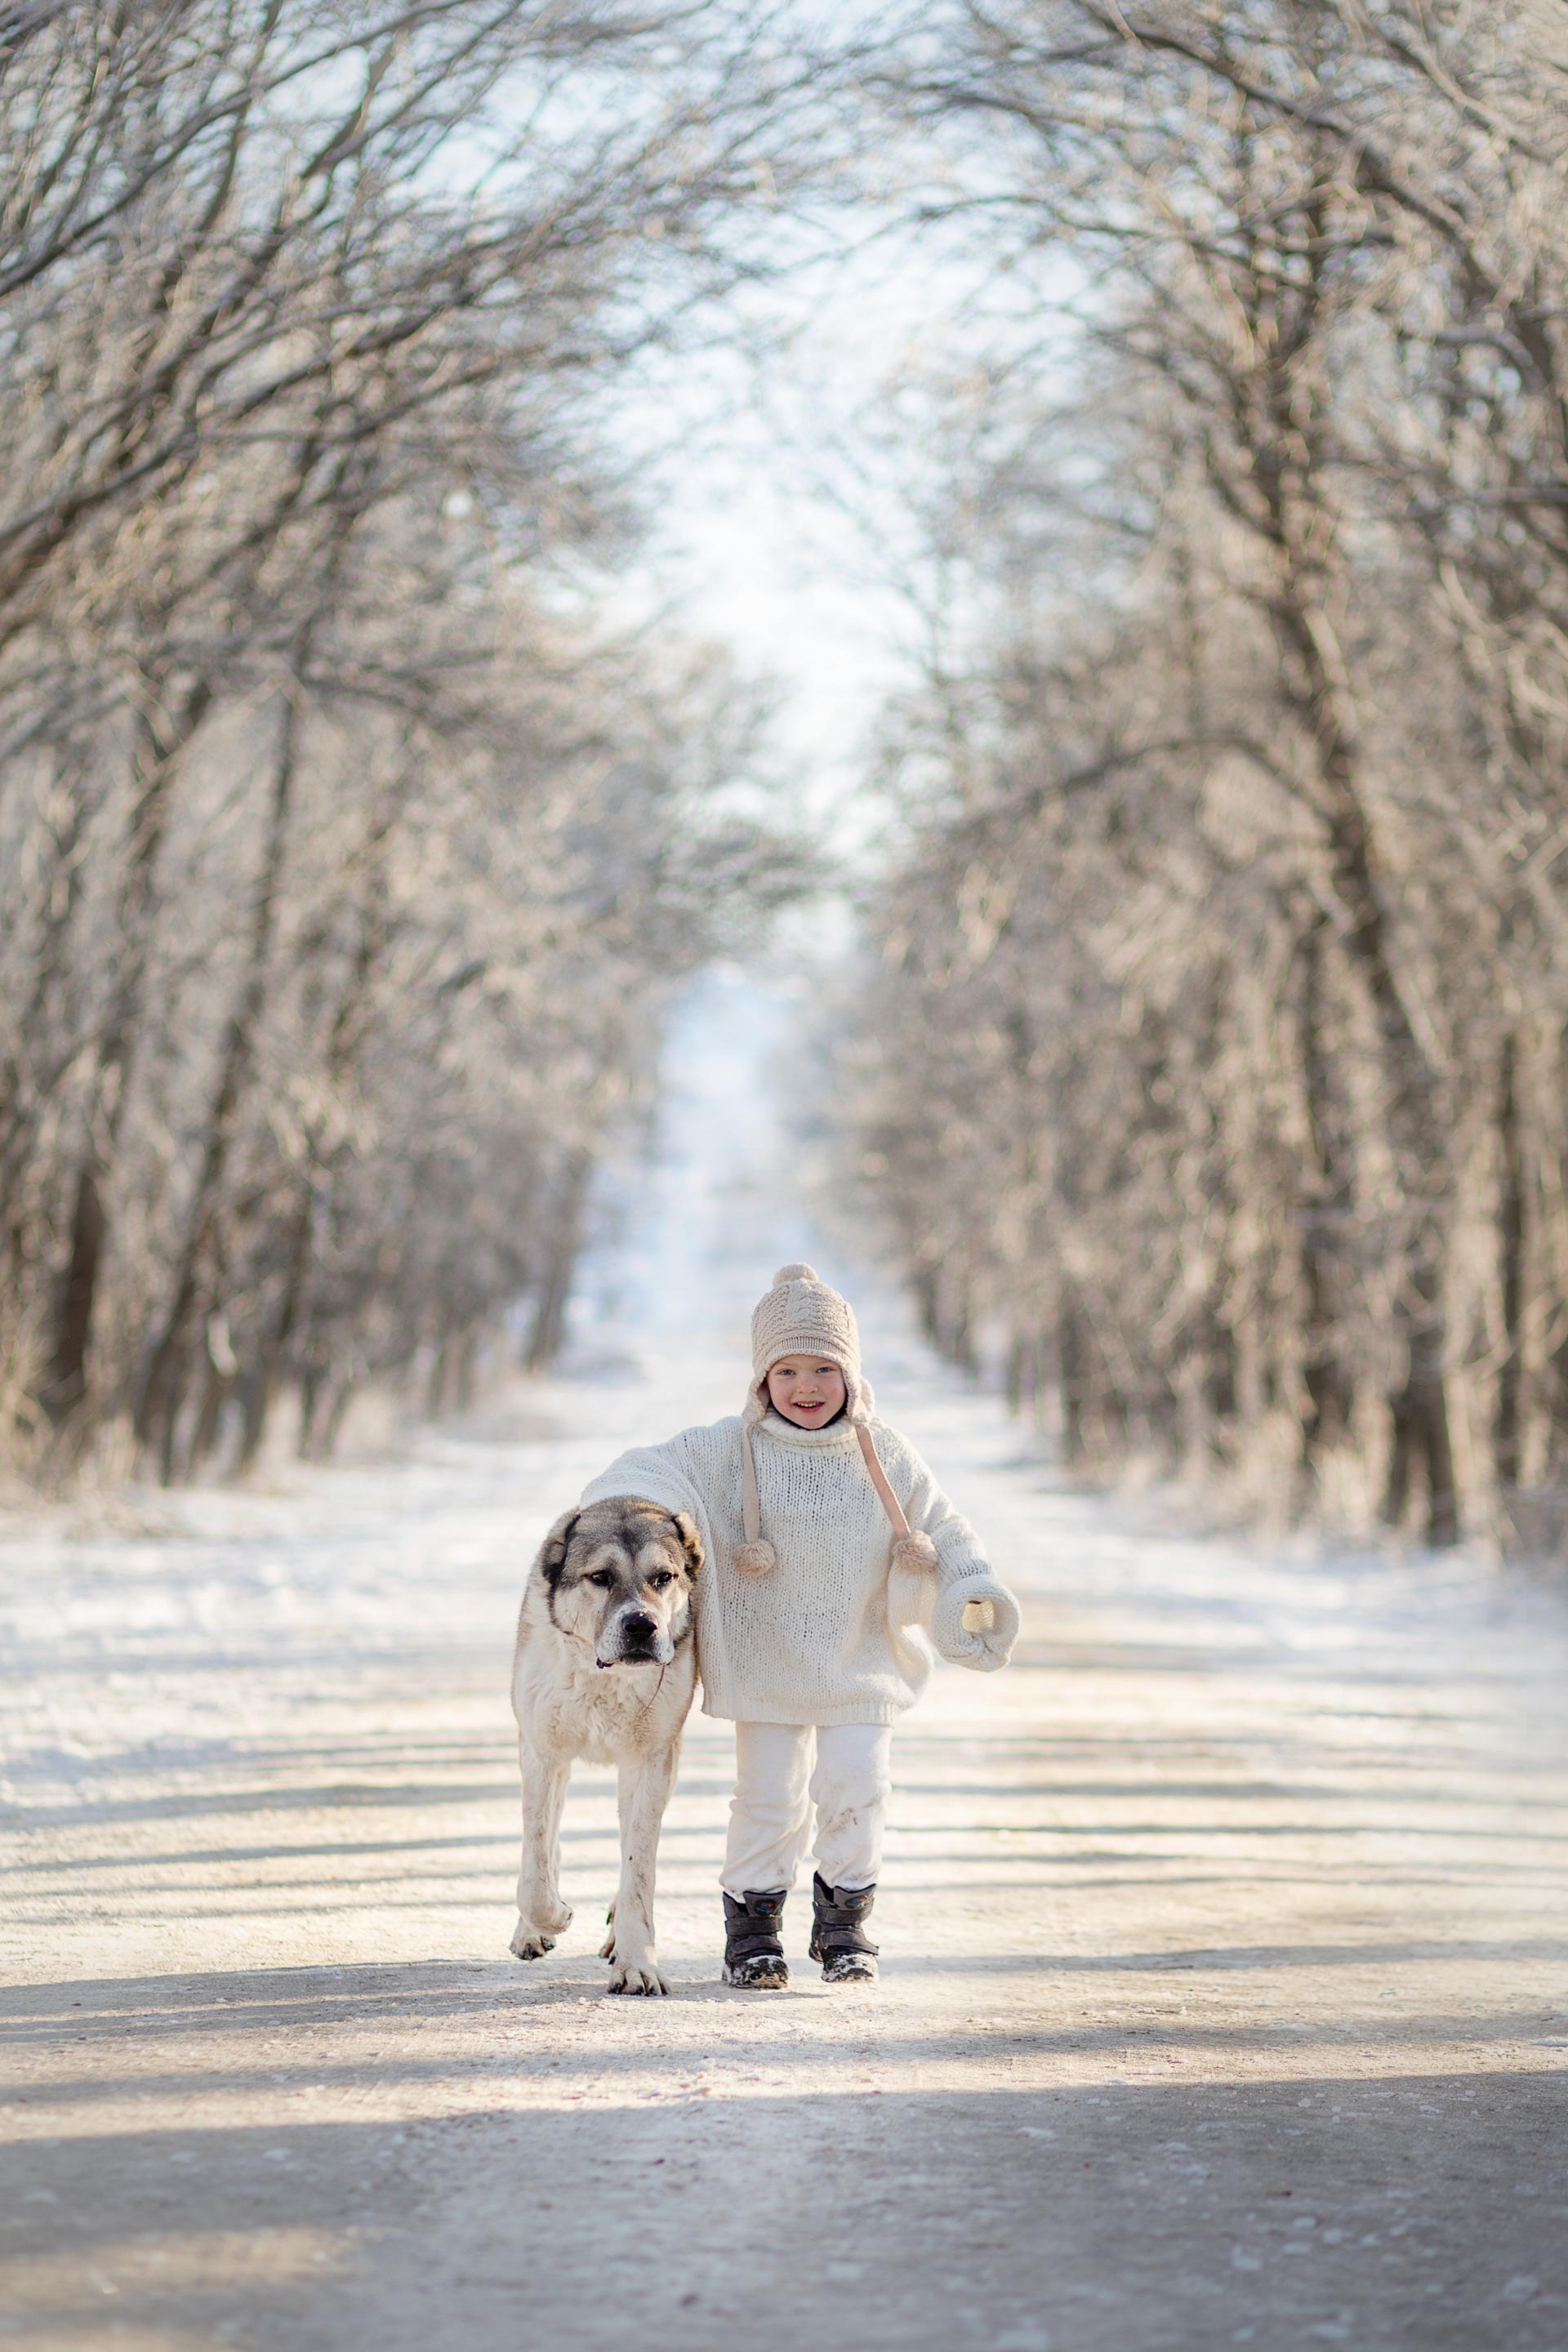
777, 1787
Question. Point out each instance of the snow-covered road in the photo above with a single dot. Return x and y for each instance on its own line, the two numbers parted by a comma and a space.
1225, 1937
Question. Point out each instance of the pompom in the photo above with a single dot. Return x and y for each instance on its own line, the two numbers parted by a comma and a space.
914, 1553
795, 1273
756, 1559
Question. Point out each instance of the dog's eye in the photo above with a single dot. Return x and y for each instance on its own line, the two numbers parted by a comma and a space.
660, 1578
603, 1577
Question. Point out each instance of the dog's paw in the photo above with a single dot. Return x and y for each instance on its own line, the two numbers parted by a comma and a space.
636, 1976
531, 1943
538, 1921
607, 1949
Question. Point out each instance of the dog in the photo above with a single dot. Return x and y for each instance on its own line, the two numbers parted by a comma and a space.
605, 1668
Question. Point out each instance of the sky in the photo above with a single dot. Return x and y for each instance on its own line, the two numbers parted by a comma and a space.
784, 522
778, 496
783, 527
770, 538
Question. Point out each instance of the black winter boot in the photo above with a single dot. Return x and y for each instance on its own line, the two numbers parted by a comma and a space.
838, 1939
754, 1955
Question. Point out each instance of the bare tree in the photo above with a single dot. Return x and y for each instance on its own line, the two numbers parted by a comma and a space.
312, 313
1311, 493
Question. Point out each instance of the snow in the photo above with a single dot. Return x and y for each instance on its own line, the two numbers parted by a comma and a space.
1223, 1937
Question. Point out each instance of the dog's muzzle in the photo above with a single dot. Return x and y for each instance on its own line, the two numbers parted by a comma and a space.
636, 1639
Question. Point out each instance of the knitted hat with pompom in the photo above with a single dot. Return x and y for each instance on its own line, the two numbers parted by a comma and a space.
802, 1314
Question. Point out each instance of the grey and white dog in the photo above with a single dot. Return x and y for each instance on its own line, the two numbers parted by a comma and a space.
605, 1669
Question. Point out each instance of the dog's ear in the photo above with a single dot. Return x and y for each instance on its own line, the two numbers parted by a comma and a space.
691, 1541
553, 1551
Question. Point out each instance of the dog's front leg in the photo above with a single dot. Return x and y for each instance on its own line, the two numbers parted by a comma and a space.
644, 1792
541, 1914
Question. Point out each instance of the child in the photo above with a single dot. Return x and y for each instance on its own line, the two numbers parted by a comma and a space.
803, 1616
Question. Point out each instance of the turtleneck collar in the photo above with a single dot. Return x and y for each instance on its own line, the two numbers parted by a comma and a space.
837, 1438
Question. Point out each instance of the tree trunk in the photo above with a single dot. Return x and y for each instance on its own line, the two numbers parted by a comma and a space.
1020, 1370
925, 1288
1283, 402
312, 1388
1416, 1139
342, 1041
1402, 1454
261, 1387
217, 1387
1329, 1401
438, 1381
549, 1323
161, 736
337, 1414
1071, 1354
158, 1405
36, 1063
1507, 1426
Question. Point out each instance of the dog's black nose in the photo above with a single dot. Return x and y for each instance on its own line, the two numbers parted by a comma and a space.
637, 1627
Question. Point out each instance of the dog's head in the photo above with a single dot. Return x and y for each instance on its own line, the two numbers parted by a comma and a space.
619, 1575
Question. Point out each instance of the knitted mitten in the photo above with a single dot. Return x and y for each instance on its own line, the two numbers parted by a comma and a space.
961, 1633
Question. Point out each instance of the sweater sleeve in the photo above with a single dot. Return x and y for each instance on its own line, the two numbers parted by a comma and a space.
929, 1513
657, 1474
963, 1573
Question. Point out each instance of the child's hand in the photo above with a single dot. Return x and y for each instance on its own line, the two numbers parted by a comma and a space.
976, 1623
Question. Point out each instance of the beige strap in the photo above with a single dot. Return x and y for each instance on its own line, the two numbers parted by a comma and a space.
890, 1502
750, 1508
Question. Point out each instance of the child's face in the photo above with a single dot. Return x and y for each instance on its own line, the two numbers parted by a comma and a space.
807, 1390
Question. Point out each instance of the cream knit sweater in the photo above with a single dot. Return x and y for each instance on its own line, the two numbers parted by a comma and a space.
816, 1640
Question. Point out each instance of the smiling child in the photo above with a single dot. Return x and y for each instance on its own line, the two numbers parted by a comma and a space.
832, 1554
